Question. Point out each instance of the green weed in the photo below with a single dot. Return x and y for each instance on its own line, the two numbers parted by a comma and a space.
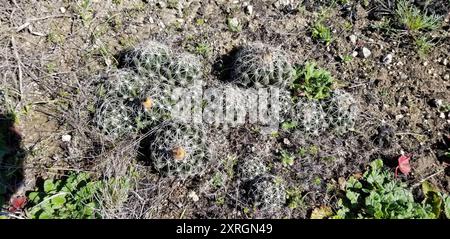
70, 198
378, 195
313, 82
412, 19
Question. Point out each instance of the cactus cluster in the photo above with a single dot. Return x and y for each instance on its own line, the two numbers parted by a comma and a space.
178, 150
125, 105
153, 59
260, 65
339, 113
139, 96
251, 168
266, 193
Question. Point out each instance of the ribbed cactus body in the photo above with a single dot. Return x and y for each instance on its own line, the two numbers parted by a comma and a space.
267, 193
342, 111
178, 150
260, 65
310, 117
251, 168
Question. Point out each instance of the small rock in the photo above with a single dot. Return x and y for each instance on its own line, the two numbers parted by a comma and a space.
442, 115
403, 76
233, 24
66, 138
446, 77
193, 196
286, 4
353, 39
249, 9
62, 10
365, 52
355, 54
387, 59
161, 4
445, 62
397, 117
286, 141
425, 63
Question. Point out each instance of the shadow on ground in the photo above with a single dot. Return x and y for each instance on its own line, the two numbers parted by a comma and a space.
11, 159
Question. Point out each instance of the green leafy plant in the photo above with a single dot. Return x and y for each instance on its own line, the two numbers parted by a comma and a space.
413, 19
294, 198
203, 49
321, 32
288, 125
315, 83
423, 45
378, 195
69, 198
346, 58
287, 159
85, 11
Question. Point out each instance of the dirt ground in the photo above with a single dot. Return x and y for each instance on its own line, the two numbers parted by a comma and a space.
51, 51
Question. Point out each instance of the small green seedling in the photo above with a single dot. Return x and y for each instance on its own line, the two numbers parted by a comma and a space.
293, 198
287, 159
313, 82
203, 49
423, 45
322, 33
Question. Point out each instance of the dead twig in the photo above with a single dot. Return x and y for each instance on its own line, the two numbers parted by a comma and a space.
426, 178
19, 65
28, 22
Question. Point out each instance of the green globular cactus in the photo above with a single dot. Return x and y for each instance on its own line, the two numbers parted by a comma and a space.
114, 118
251, 168
266, 193
260, 65
183, 69
115, 113
121, 84
178, 150
150, 58
310, 117
342, 111
153, 105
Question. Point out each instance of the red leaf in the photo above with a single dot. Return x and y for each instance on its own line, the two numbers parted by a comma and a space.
17, 203
403, 164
